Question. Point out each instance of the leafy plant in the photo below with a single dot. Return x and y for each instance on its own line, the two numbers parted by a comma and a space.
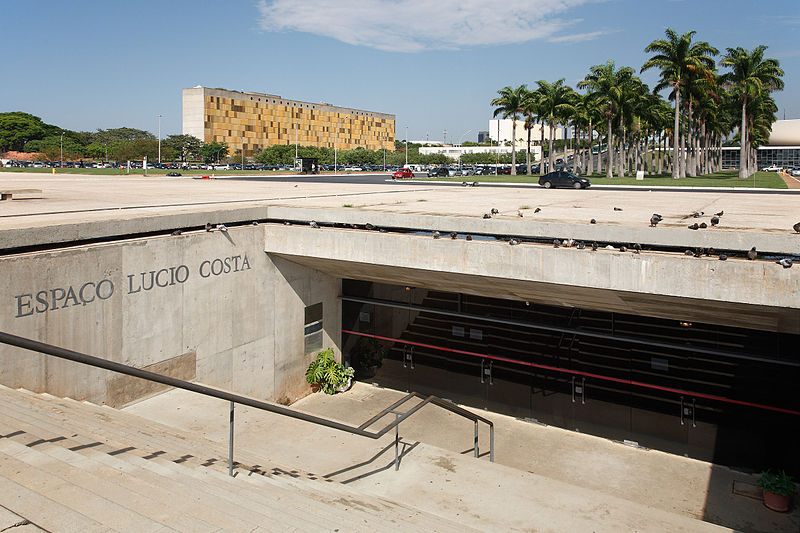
328, 374
777, 483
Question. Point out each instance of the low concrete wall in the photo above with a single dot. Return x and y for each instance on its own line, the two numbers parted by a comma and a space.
212, 303
754, 294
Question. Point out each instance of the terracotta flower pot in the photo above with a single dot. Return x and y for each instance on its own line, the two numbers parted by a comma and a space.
777, 502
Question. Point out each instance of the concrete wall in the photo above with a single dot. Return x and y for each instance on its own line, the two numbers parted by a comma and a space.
218, 309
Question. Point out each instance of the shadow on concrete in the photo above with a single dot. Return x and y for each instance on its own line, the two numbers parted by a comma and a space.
406, 449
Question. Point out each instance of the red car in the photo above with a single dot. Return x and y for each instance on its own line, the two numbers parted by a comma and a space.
403, 173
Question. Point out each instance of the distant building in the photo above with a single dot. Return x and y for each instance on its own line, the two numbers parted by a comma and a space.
254, 121
500, 129
783, 148
455, 151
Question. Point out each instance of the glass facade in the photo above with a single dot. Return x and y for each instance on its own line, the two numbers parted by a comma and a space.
784, 156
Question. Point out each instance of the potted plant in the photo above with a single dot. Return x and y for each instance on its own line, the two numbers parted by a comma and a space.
778, 490
366, 357
328, 375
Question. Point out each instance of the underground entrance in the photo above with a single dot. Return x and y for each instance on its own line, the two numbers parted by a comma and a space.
717, 393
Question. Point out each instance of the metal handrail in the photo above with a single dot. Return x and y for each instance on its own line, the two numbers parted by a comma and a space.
78, 357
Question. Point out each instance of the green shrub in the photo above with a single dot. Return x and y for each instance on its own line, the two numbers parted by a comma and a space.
326, 373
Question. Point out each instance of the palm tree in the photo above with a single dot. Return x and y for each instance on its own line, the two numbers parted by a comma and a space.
608, 84
751, 76
530, 108
510, 104
678, 59
554, 103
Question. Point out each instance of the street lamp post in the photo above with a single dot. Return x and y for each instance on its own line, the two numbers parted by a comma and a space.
459, 142
335, 146
384, 153
61, 157
296, 127
497, 154
406, 146
243, 153
159, 139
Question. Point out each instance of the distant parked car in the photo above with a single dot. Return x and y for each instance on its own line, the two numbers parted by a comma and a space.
353, 169
438, 172
173, 174
772, 168
560, 178
403, 173
795, 171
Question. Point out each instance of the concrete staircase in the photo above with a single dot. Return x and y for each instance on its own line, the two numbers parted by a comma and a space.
75, 466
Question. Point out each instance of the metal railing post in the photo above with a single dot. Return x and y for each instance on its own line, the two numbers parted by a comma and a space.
230, 442
476, 440
396, 444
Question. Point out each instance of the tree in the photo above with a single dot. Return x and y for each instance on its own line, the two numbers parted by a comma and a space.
555, 103
213, 151
751, 77
678, 59
510, 104
17, 128
187, 146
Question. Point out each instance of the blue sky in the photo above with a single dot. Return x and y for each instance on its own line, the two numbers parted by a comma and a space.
90, 64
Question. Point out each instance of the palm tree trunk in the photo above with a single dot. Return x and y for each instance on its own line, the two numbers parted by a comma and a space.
742, 137
590, 162
675, 134
541, 148
528, 154
513, 146
610, 150
551, 155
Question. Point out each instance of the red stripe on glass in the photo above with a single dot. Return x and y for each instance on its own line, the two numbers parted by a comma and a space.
580, 373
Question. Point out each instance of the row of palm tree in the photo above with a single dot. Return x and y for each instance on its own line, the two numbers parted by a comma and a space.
636, 124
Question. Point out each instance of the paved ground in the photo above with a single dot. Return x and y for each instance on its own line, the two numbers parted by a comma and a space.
602, 471
74, 198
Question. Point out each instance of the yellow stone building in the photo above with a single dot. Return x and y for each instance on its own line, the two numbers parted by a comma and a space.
254, 121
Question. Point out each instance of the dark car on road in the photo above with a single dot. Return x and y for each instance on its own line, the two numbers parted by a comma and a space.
561, 178
438, 172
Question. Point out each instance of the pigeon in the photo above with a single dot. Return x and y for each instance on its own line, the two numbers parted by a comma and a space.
494, 211
436, 234
474, 183
698, 252
703, 225
714, 220
593, 221
723, 257
176, 232
688, 252
519, 213
694, 226
637, 248
556, 243
594, 246
697, 214
487, 215
383, 230
623, 249
255, 222
313, 224
654, 220
538, 209
221, 227
369, 226
580, 245
719, 214
464, 183
752, 254
468, 237
453, 235
209, 226
568, 243
785, 262
513, 242
659, 217
617, 209
609, 247
796, 227
287, 223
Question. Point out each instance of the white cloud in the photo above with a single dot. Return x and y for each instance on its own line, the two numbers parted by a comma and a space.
416, 25
580, 37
